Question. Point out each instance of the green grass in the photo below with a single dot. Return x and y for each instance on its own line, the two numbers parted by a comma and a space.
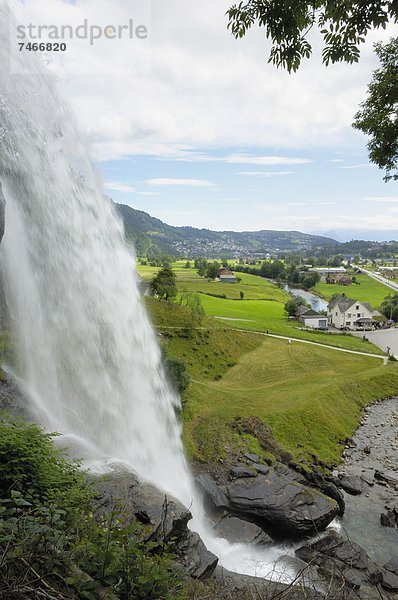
260, 315
262, 307
368, 290
310, 396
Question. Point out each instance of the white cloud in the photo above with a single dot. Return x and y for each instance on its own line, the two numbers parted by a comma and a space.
359, 166
214, 95
392, 199
188, 182
263, 173
265, 160
117, 186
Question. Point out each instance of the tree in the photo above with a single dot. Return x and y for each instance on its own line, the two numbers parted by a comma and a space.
212, 269
292, 305
378, 115
389, 307
164, 284
242, 295
342, 23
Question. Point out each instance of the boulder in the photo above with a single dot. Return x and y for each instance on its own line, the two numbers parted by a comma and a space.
261, 468
389, 518
392, 565
165, 516
240, 471
352, 484
347, 568
194, 557
238, 531
278, 501
214, 496
252, 457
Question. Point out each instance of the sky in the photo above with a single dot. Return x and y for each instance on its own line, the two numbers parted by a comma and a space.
196, 128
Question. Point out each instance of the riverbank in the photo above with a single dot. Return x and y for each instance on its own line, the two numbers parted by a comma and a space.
373, 457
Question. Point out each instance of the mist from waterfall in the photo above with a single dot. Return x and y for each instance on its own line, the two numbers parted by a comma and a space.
86, 351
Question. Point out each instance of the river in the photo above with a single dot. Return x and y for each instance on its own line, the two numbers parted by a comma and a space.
314, 301
374, 457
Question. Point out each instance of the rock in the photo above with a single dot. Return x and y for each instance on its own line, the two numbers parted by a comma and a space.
347, 568
327, 485
285, 505
196, 560
241, 471
261, 468
238, 531
352, 484
2, 212
389, 518
244, 587
142, 501
392, 565
215, 496
390, 581
11, 398
252, 457
348, 552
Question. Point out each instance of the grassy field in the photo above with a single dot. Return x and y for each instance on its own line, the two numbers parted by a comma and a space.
311, 397
368, 290
261, 309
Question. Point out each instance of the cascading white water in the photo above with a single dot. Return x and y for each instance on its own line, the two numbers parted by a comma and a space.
86, 350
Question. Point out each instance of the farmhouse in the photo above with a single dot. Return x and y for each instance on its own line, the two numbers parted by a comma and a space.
310, 318
226, 276
345, 313
325, 272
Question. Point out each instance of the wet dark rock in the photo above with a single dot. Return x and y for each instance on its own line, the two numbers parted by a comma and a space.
352, 484
346, 566
193, 555
392, 565
279, 501
143, 502
245, 587
241, 471
238, 531
389, 518
327, 485
390, 581
214, 495
11, 398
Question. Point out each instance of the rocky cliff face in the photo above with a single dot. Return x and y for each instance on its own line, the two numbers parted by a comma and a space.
2, 213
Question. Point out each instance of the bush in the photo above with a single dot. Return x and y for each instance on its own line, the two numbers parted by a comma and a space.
51, 544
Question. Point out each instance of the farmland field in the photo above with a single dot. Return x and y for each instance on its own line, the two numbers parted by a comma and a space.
367, 290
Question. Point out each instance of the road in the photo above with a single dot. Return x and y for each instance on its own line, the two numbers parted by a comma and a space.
385, 338
379, 278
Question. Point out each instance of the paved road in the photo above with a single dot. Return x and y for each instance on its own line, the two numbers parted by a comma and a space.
385, 338
391, 284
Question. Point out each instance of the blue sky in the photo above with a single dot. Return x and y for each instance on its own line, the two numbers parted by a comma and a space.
195, 128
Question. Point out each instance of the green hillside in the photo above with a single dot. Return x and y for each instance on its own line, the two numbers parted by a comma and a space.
153, 237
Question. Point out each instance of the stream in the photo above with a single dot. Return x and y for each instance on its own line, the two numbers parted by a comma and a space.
316, 303
374, 457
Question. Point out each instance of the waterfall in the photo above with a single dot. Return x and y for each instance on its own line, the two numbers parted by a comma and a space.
86, 352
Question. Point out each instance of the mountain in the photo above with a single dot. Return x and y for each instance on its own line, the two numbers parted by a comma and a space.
152, 237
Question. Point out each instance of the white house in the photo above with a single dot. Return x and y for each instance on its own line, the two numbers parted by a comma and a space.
310, 318
345, 313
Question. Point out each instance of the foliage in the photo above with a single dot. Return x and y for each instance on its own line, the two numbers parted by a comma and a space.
389, 307
292, 305
51, 544
378, 115
212, 269
343, 25
164, 284
177, 370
